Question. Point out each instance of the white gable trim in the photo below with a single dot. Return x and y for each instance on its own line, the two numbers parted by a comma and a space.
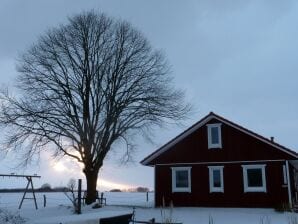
219, 162
202, 123
176, 140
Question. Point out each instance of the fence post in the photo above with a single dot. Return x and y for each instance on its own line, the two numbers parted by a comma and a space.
44, 201
79, 195
133, 214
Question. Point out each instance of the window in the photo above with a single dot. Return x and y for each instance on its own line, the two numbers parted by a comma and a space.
254, 178
216, 183
181, 179
214, 135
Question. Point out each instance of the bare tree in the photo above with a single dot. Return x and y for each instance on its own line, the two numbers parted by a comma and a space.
86, 85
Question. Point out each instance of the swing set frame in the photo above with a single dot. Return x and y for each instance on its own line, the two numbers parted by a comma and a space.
28, 187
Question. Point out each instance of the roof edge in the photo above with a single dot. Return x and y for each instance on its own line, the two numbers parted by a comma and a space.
199, 124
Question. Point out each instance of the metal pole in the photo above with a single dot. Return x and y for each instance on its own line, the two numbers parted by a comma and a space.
79, 195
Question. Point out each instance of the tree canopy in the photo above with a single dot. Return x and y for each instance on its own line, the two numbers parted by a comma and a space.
85, 85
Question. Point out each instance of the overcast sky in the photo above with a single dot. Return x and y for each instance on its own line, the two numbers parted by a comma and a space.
238, 59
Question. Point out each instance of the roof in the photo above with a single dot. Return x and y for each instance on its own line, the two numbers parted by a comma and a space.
203, 121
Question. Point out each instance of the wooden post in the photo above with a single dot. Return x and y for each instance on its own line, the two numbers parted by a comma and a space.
79, 196
44, 201
101, 199
133, 215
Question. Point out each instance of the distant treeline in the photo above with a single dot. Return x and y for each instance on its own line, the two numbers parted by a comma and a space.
47, 188
136, 189
17, 190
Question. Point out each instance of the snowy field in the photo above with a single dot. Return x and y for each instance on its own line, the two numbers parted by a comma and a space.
59, 211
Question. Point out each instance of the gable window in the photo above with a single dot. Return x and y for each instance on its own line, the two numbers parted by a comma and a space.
254, 178
181, 179
214, 135
216, 183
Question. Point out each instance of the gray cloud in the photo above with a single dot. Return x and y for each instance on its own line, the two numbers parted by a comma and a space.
237, 58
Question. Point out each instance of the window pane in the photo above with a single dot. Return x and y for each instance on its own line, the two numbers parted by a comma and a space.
214, 135
182, 178
216, 178
254, 178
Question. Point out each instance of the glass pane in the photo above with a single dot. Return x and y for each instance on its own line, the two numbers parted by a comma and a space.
254, 177
214, 135
182, 178
216, 178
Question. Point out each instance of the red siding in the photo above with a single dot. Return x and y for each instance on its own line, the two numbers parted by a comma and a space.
233, 195
236, 146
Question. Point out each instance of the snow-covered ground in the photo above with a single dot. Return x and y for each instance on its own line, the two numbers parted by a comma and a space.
55, 199
59, 211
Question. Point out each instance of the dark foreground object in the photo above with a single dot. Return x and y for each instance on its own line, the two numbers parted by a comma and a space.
127, 219
121, 219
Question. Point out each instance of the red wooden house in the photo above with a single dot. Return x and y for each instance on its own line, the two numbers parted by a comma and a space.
218, 163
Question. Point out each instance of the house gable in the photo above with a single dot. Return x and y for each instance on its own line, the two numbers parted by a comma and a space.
238, 144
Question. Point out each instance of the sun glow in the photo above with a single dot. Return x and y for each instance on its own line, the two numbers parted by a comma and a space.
59, 167
110, 185
67, 167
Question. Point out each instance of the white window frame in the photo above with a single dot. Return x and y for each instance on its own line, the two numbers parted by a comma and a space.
211, 179
174, 186
245, 182
210, 144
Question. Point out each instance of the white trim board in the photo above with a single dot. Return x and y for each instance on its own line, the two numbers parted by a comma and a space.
289, 185
218, 162
195, 127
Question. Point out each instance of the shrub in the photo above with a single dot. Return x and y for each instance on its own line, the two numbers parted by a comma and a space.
166, 214
70, 194
293, 219
211, 221
265, 220
283, 207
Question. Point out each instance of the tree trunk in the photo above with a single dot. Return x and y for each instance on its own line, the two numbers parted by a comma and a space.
91, 178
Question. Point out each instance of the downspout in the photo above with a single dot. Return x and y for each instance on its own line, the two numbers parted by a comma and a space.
154, 186
289, 185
